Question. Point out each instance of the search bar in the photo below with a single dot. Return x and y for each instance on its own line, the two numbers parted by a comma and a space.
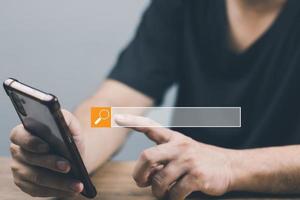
171, 116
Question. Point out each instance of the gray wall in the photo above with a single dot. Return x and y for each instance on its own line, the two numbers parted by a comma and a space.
67, 48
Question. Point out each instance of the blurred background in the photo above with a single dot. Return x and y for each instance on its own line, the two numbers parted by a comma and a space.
66, 48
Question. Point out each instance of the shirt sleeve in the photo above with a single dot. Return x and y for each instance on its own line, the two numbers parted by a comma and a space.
149, 63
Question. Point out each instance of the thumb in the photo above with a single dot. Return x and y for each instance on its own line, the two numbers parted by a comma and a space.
75, 130
152, 129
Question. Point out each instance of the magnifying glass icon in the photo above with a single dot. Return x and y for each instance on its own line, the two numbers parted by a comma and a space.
103, 115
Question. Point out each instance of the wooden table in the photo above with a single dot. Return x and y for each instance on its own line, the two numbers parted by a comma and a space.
113, 182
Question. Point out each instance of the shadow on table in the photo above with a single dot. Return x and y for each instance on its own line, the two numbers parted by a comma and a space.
201, 196
242, 195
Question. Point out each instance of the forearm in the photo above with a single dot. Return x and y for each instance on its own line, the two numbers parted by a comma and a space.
100, 144
267, 170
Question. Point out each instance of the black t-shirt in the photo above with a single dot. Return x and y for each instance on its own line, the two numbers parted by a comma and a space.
185, 42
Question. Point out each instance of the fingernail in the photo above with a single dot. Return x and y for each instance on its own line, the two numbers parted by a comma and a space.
119, 117
77, 187
43, 147
62, 165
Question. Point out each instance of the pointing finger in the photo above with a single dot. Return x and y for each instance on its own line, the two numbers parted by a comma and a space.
152, 129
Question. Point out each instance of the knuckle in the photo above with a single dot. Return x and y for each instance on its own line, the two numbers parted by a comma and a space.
146, 156
185, 145
207, 187
21, 173
13, 150
14, 167
197, 174
191, 162
172, 171
210, 189
14, 133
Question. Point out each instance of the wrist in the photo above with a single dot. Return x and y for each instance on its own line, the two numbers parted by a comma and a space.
239, 170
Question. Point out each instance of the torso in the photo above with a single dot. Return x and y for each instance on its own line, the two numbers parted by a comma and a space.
263, 79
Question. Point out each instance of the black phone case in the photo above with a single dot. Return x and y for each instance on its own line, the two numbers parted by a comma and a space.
54, 107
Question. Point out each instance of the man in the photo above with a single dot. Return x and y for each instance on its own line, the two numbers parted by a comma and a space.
220, 53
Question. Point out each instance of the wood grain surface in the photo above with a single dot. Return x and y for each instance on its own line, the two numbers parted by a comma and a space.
113, 182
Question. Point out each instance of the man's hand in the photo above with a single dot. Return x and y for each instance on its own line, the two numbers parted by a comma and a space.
178, 165
38, 172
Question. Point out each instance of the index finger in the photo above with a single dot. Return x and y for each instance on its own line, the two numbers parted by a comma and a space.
152, 129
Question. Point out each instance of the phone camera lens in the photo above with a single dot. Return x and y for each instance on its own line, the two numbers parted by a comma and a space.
18, 104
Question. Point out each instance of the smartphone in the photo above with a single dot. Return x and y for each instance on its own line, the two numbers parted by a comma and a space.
41, 115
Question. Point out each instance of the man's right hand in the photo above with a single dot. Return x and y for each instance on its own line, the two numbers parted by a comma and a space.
38, 172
